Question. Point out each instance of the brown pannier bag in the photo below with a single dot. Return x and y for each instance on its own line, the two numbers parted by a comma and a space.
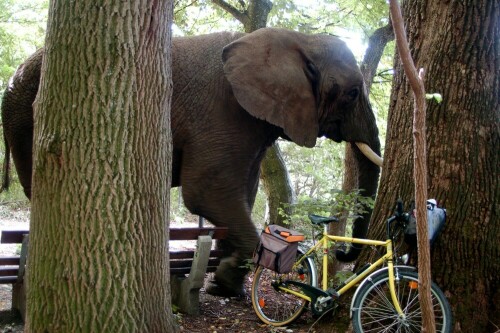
277, 248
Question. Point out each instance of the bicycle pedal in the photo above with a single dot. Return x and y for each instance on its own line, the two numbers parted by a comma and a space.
333, 293
323, 300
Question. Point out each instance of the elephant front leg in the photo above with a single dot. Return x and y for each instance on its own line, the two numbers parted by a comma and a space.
224, 195
238, 246
230, 275
225, 245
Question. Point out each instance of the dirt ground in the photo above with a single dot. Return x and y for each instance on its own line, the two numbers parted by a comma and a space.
237, 316
217, 314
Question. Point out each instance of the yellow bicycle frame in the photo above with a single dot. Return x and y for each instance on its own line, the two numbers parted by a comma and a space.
324, 244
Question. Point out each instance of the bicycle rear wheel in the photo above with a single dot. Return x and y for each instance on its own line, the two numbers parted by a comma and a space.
273, 306
373, 310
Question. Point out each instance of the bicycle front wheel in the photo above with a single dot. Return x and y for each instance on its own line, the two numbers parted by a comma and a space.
373, 310
273, 306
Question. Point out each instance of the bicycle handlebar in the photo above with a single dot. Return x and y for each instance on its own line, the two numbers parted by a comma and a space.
399, 207
399, 216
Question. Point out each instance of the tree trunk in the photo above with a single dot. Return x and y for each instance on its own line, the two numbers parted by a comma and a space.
458, 45
376, 45
98, 257
258, 11
274, 176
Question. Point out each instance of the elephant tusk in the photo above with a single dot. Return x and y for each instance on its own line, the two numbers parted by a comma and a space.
370, 154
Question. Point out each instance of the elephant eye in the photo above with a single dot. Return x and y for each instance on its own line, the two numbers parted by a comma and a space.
313, 75
312, 71
353, 94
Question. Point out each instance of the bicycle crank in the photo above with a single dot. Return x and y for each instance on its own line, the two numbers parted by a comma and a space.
321, 301
322, 304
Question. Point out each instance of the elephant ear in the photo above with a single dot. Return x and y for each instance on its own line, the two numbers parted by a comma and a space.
271, 78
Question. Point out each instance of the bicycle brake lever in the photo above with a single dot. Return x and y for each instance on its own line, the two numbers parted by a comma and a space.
399, 207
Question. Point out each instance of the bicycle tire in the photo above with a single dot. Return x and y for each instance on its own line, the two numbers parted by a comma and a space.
373, 310
273, 306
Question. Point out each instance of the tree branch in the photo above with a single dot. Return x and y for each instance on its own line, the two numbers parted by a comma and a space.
239, 15
376, 45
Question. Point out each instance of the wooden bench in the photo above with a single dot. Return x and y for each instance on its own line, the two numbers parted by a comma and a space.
187, 267
12, 267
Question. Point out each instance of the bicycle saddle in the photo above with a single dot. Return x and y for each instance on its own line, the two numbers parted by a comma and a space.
318, 220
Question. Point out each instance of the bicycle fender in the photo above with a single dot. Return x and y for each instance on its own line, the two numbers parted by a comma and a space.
371, 276
312, 264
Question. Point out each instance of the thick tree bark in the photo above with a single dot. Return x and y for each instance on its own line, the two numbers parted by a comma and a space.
458, 45
258, 11
98, 258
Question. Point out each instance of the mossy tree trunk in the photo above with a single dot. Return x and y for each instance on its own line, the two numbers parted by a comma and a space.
458, 45
276, 183
98, 258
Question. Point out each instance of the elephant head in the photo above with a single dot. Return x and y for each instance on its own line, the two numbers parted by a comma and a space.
310, 86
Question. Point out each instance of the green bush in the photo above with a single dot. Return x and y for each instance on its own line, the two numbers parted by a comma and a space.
345, 206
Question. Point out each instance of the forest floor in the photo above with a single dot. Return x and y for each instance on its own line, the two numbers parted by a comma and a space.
218, 315
234, 315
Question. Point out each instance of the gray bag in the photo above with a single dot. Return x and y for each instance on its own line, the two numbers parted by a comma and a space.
436, 217
277, 248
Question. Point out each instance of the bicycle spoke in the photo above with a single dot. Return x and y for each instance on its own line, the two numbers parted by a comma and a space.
373, 310
274, 306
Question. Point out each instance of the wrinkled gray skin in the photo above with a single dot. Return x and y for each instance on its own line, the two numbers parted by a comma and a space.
234, 95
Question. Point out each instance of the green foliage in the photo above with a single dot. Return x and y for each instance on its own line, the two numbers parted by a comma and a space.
340, 17
14, 197
315, 171
248, 264
436, 96
345, 206
196, 17
22, 31
345, 18
259, 208
338, 203
381, 90
177, 209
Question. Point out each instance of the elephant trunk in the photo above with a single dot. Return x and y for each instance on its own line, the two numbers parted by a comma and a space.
366, 175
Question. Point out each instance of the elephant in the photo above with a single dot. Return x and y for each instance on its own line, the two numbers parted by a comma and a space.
234, 95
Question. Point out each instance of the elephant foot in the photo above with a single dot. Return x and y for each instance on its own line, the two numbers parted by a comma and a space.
229, 279
215, 289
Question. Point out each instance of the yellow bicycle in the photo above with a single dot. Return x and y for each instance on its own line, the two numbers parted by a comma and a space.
386, 299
